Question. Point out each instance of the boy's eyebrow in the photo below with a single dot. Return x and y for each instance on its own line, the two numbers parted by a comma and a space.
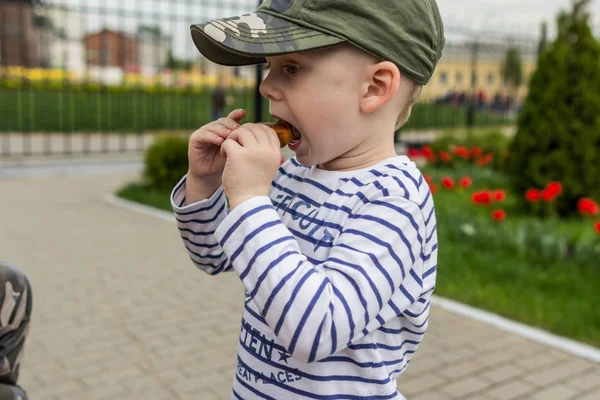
293, 57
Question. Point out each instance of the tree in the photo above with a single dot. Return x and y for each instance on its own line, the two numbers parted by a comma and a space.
172, 62
558, 135
151, 30
543, 39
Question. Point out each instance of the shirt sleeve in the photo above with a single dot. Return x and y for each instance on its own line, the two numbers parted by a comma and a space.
373, 272
197, 224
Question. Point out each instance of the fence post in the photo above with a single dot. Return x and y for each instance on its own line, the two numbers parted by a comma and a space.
474, 77
258, 102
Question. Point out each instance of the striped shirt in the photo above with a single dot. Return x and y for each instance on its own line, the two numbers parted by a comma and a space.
338, 268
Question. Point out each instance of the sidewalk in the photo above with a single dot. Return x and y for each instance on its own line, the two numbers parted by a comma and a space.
121, 313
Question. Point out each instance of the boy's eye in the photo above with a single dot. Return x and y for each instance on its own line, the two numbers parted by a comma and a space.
292, 69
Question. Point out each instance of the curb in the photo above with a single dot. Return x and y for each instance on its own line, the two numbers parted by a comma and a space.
118, 202
527, 332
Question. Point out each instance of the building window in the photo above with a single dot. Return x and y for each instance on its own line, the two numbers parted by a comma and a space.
459, 78
444, 78
93, 55
103, 55
490, 79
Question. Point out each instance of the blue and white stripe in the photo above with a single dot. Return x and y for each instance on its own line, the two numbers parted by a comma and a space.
338, 269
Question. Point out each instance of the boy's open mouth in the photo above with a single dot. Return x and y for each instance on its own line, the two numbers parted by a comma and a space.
296, 136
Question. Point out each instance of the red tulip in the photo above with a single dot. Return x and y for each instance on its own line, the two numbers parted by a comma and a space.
555, 188
485, 159
597, 227
466, 182
499, 215
500, 195
448, 182
548, 196
426, 151
588, 207
533, 195
445, 156
477, 151
414, 153
427, 178
462, 152
482, 197
433, 187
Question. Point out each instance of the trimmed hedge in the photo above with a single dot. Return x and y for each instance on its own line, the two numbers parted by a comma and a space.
54, 106
166, 161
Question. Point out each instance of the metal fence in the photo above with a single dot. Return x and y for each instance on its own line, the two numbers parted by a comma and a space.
89, 76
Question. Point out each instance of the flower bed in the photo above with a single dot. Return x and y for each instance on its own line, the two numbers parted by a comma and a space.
539, 271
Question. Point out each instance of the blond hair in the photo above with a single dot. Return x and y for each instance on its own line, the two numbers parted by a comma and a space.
413, 97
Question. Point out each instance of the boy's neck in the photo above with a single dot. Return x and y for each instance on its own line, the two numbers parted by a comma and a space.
358, 159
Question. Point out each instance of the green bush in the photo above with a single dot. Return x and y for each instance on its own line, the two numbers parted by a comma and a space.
166, 161
558, 136
446, 141
492, 141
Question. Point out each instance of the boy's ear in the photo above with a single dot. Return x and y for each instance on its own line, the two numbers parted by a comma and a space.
383, 82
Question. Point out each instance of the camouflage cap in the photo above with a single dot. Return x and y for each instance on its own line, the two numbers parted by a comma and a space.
409, 33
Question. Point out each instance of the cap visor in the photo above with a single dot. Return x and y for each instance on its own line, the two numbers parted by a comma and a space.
248, 39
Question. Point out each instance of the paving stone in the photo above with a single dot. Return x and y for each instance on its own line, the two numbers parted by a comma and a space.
463, 387
586, 380
556, 392
502, 373
557, 371
511, 390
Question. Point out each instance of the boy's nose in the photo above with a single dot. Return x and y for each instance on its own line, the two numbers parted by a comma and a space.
269, 90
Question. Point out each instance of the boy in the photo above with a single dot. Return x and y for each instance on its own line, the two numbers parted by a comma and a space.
337, 248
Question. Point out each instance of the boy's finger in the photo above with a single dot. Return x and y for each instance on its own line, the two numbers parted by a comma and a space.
206, 137
272, 137
229, 146
228, 123
244, 136
262, 133
221, 129
216, 139
237, 115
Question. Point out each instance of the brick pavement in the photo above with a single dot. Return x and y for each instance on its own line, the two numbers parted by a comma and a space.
121, 313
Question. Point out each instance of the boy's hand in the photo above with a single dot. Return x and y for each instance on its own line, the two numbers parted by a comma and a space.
253, 157
206, 163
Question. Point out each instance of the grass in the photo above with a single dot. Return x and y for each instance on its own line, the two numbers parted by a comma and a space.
560, 296
63, 110
145, 194
552, 293
555, 296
